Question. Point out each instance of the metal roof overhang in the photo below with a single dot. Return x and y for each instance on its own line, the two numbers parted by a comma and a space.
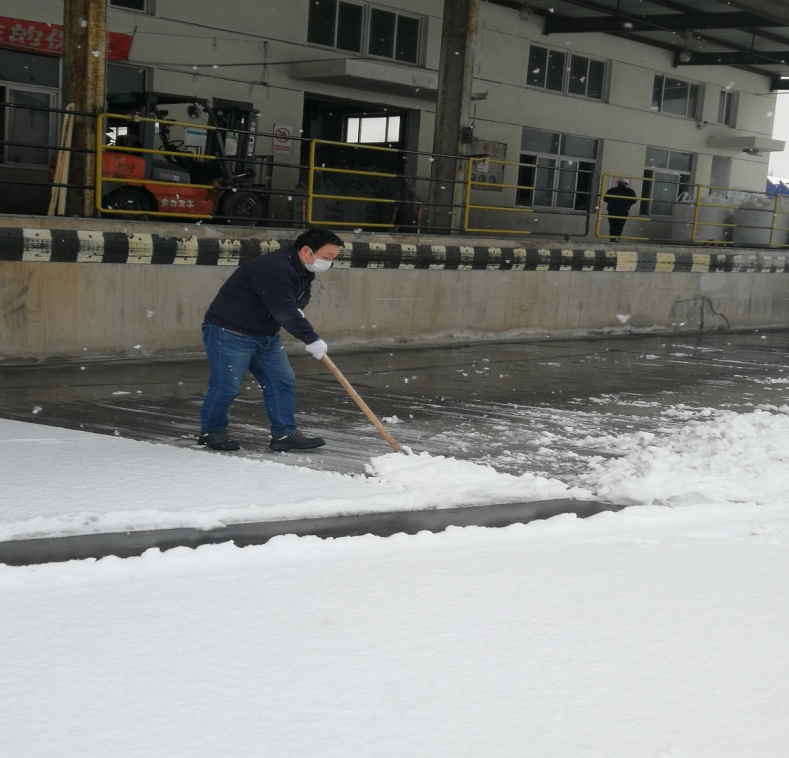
747, 34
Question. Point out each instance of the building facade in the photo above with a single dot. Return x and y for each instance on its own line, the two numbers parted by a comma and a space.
557, 116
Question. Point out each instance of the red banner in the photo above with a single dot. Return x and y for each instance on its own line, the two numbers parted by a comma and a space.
47, 39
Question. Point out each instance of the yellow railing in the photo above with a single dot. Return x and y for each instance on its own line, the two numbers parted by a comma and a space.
709, 214
373, 199
376, 203
780, 208
102, 180
475, 163
707, 225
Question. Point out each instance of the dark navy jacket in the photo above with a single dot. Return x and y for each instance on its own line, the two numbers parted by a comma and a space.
265, 294
619, 199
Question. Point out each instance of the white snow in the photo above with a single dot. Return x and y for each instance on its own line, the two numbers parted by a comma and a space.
659, 631
86, 483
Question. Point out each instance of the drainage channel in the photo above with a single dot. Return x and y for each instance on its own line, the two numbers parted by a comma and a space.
127, 544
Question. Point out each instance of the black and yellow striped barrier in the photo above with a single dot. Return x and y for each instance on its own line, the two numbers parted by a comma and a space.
72, 246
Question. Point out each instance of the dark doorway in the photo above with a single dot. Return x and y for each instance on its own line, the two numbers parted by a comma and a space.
368, 162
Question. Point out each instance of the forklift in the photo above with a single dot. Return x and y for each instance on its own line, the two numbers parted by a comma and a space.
218, 152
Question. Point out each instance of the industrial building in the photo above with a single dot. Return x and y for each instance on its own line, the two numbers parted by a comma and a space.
560, 98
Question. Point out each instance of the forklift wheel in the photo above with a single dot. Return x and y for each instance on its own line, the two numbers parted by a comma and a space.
240, 207
130, 199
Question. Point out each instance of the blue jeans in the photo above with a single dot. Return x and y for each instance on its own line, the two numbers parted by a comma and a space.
230, 356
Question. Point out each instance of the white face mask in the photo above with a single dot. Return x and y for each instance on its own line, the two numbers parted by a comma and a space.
318, 265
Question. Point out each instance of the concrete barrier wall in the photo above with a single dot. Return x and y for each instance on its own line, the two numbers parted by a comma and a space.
75, 293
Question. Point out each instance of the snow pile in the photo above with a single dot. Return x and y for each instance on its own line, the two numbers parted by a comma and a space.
435, 478
714, 457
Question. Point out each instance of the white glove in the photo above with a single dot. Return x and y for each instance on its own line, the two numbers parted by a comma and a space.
317, 349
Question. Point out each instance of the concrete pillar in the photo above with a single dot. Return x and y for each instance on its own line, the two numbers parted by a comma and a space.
452, 111
85, 60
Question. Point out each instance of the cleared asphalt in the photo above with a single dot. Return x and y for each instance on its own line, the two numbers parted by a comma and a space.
530, 405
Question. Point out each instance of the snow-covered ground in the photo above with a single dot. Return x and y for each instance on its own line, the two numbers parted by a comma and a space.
658, 631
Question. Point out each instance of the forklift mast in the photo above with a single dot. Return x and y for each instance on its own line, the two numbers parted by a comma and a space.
232, 142
241, 121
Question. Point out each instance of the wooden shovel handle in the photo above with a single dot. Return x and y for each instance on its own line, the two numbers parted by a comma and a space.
358, 400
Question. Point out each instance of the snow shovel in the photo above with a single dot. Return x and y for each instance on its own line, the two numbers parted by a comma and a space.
355, 396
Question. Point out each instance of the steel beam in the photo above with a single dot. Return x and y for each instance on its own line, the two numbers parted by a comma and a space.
736, 58
774, 10
658, 22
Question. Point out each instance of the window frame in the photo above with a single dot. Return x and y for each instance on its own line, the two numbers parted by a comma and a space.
52, 74
48, 77
145, 71
147, 6
392, 122
659, 100
665, 175
364, 44
547, 65
556, 166
728, 102
7, 115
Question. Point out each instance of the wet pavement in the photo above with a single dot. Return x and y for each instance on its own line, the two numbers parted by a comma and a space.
543, 406
516, 406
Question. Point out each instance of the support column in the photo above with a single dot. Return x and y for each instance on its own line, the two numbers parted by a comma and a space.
452, 111
84, 66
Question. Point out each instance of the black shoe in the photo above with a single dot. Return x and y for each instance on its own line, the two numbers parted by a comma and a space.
218, 441
296, 441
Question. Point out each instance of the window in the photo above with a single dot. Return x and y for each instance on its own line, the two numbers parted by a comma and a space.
132, 5
372, 130
28, 90
122, 78
727, 105
336, 24
393, 36
675, 96
549, 69
666, 177
29, 68
558, 170
360, 28
27, 126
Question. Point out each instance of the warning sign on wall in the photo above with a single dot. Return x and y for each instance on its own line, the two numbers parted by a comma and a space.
281, 142
490, 171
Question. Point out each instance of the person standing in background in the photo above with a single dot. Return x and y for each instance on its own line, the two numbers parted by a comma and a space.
619, 200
